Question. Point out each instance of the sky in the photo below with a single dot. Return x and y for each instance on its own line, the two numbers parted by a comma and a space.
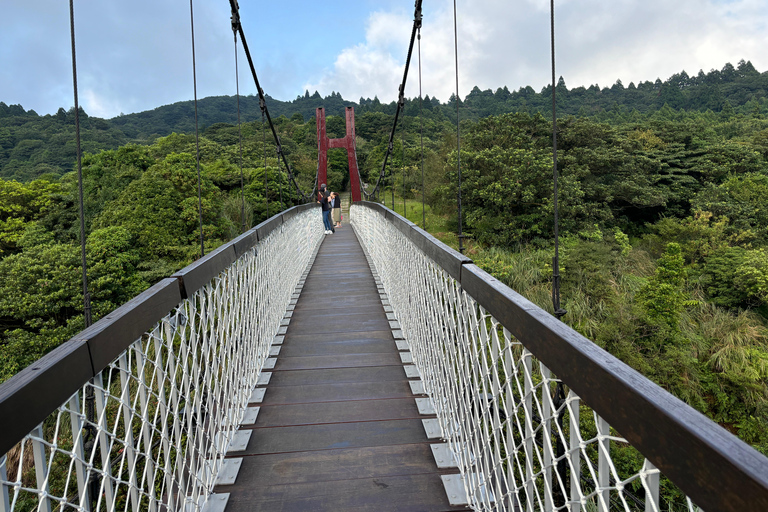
137, 55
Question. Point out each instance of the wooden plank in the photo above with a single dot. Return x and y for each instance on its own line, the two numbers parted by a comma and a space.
335, 376
344, 300
336, 412
332, 345
339, 322
338, 428
338, 392
409, 493
337, 361
332, 436
311, 467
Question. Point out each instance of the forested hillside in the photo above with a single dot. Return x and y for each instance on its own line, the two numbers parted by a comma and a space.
664, 217
33, 145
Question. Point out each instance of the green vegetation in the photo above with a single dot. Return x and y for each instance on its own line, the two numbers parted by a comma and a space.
663, 211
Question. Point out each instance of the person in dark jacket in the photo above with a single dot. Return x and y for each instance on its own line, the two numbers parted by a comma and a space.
324, 199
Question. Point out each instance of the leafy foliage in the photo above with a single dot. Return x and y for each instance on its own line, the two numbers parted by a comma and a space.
663, 217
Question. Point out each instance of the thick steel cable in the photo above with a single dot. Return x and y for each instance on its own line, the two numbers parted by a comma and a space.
458, 130
402, 138
264, 146
392, 178
90, 412
421, 133
262, 100
197, 133
280, 175
86, 295
558, 311
240, 134
400, 102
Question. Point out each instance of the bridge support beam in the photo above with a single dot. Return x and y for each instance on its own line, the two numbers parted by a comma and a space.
347, 142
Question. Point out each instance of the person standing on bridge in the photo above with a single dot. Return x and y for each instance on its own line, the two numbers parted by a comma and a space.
325, 204
336, 209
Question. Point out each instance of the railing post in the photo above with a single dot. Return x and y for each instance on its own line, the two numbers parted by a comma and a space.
163, 410
104, 445
78, 448
146, 422
41, 469
5, 502
652, 487
603, 464
130, 452
546, 437
574, 453
530, 490
510, 400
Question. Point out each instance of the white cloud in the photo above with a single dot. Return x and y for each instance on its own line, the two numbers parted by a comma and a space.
501, 43
372, 68
136, 56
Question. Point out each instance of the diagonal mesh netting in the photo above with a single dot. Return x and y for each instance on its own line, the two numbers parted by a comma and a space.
522, 439
166, 409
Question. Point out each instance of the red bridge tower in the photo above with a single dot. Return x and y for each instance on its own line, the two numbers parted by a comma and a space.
347, 142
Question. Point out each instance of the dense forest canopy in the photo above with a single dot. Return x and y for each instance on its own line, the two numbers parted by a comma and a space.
33, 145
663, 207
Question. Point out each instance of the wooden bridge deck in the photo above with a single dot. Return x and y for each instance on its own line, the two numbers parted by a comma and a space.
338, 428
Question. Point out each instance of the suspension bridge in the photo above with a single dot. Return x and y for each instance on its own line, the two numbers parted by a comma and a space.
372, 369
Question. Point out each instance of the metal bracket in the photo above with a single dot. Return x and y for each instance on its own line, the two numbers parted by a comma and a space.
239, 441
229, 470
454, 489
264, 378
417, 387
411, 371
432, 428
216, 502
425, 406
257, 396
251, 413
443, 455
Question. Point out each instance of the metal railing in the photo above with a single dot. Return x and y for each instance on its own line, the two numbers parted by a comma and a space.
536, 416
137, 411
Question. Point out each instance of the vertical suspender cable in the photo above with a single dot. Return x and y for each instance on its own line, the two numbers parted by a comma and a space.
458, 130
403, 141
280, 176
90, 399
197, 135
392, 171
86, 295
421, 130
400, 103
240, 134
264, 146
559, 312
559, 395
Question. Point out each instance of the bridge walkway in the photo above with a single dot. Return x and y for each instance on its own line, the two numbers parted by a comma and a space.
338, 428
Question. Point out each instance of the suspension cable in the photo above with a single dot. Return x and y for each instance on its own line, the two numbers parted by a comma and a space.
402, 140
239, 132
236, 19
400, 102
86, 294
280, 175
264, 146
197, 134
392, 176
90, 398
458, 129
421, 132
558, 311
